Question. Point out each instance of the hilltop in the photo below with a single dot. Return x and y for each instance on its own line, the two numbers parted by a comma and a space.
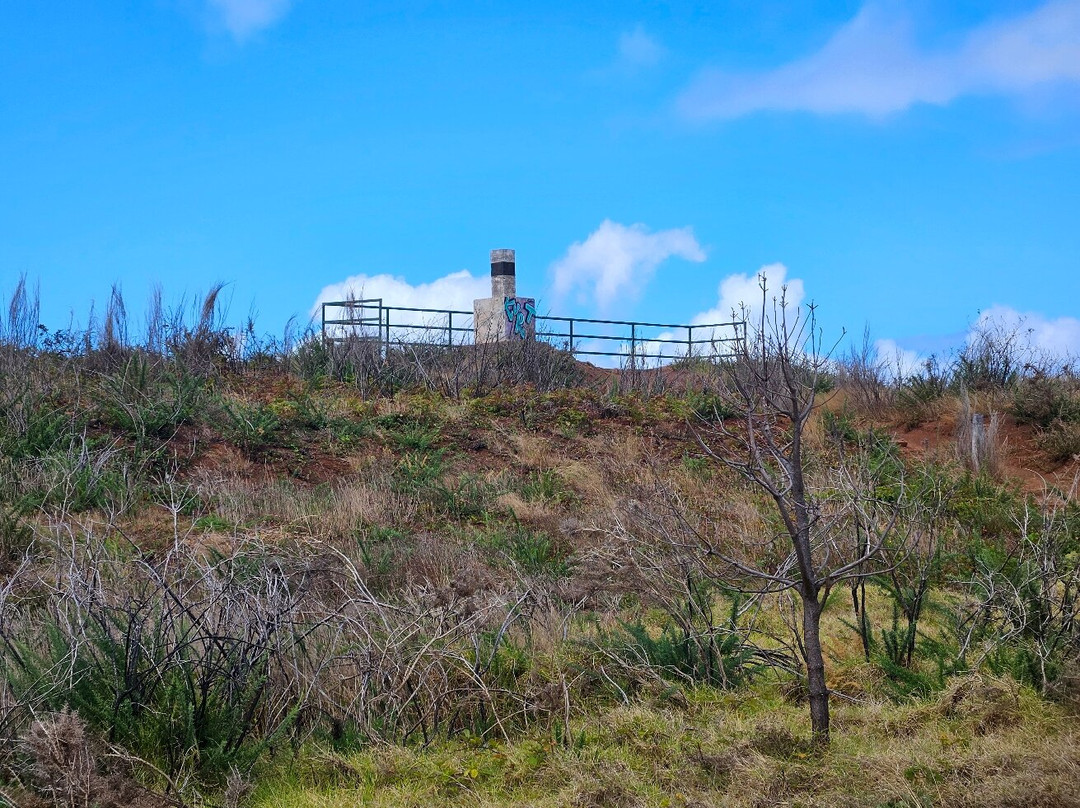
320, 574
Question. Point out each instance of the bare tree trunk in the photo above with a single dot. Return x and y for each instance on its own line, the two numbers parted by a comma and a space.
858, 599
815, 666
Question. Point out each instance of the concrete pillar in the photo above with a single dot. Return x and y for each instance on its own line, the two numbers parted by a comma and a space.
503, 274
504, 316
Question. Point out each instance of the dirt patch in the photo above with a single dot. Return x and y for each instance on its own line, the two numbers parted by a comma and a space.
1022, 462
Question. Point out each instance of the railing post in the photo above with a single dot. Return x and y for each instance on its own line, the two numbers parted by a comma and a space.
449, 329
689, 341
571, 336
633, 346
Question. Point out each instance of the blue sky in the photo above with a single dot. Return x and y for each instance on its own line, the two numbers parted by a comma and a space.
906, 165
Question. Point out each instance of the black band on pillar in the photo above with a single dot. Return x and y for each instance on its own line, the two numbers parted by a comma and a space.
502, 268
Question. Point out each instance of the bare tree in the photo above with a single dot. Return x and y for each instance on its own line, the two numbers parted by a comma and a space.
836, 525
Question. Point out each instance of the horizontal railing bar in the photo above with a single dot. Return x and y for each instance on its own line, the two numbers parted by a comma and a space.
637, 357
441, 330
635, 322
428, 311
611, 354
643, 341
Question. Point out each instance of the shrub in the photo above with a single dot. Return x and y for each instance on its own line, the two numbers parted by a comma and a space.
546, 486
42, 427
409, 433
534, 552
175, 671
1060, 441
1043, 399
920, 391
15, 539
708, 406
88, 474
145, 404
691, 646
252, 427
418, 471
992, 360
1027, 602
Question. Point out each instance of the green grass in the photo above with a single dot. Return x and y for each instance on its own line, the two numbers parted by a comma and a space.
748, 748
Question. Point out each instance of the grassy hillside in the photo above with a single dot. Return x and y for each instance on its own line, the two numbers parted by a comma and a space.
242, 573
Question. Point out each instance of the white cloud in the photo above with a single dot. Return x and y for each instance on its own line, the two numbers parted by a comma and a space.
1031, 336
455, 291
617, 261
742, 292
1037, 337
639, 50
242, 18
873, 66
737, 296
897, 362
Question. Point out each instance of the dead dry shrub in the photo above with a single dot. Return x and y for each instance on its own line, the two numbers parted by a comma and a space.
427, 359
979, 444
865, 378
186, 661
1060, 440
430, 663
1043, 398
605, 787
237, 788
1066, 689
64, 771
719, 770
62, 767
330, 511
993, 358
777, 741
987, 703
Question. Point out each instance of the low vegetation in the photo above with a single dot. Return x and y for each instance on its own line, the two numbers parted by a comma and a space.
240, 571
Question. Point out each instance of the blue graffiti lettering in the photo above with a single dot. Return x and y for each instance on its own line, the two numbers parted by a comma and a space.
519, 313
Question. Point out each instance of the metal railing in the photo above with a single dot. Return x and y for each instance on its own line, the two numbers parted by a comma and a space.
647, 341
632, 341
389, 325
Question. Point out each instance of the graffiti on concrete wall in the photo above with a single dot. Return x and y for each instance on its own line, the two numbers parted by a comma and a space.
520, 314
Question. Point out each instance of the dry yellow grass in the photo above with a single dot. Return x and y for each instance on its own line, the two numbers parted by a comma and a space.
738, 750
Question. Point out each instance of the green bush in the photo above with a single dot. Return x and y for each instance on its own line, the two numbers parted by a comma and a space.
408, 432
1043, 400
708, 406
690, 645
417, 471
1060, 441
82, 478
546, 486
160, 675
921, 390
46, 427
533, 552
146, 402
15, 539
468, 498
252, 427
